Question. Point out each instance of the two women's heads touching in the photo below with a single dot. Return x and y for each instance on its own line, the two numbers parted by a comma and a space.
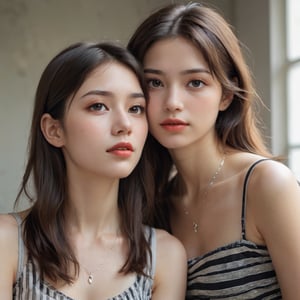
198, 43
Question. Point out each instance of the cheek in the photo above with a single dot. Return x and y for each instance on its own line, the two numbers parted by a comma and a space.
79, 129
140, 134
153, 107
143, 130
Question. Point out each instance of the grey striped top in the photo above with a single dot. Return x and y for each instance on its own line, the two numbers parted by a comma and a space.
29, 285
240, 270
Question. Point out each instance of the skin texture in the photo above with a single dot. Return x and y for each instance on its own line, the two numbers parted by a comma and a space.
108, 109
185, 99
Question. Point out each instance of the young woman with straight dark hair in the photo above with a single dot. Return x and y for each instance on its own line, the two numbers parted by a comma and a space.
86, 179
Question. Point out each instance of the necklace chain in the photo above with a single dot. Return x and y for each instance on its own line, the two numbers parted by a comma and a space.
205, 192
89, 273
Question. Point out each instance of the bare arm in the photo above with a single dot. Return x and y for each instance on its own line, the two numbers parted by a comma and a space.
171, 268
276, 199
8, 255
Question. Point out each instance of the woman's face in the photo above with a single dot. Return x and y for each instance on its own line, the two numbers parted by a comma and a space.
105, 125
185, 98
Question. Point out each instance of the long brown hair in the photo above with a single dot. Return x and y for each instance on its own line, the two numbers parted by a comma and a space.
238, 125
45, 180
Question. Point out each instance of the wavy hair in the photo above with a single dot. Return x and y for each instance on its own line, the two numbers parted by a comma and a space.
238, 125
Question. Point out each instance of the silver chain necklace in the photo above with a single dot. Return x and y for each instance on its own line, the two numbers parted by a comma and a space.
90, 273
99, 267
204, 194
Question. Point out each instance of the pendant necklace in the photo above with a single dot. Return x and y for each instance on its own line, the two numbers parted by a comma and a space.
89, 273
91, 278
205, 192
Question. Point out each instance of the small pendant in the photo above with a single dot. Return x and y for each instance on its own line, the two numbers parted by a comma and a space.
90, 278
195, 226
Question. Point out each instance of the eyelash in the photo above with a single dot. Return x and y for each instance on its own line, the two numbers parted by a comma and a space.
96, 106
200, 82
151, 81
141, 109
158, 83
132, 109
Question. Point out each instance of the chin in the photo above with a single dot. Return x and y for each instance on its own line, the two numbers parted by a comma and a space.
124, 173
124, 176
172, 144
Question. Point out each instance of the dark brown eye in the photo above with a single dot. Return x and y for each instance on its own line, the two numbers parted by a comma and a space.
98, 107
196, 83
154, 83
137, 109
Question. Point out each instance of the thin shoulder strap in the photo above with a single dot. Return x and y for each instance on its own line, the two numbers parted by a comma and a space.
151, 236
244, 204
20, 244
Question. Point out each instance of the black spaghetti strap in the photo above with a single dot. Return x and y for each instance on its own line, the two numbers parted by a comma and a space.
244, 195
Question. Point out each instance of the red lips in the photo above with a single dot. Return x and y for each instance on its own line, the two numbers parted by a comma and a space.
174, 125
121, 150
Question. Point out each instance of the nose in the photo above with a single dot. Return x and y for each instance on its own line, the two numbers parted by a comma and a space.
122, 124
173, 101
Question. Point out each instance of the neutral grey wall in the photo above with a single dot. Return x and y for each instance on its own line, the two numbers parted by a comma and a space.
32, 31
252, 23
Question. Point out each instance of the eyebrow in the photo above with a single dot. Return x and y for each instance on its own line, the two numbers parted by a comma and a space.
108, 93
189, 71
97, 92
153, 71
196, 70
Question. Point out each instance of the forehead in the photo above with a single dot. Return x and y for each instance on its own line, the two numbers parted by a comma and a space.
170, 53
111, 76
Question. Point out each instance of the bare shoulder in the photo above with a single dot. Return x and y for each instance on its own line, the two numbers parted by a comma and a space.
170, 251
167, 242
267, 176
273, 196
271, 177
171, 268
8, 228
8, 235
8, 250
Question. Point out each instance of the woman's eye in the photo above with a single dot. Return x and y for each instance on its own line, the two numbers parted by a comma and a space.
97, 107
196, 83
154, 83
137, 109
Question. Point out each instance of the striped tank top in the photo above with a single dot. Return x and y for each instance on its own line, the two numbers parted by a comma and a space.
240, 270
29, 286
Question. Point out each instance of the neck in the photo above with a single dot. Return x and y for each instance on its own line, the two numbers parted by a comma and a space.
92, 208
197, 168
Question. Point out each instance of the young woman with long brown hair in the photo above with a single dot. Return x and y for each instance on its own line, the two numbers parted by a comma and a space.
217, 188
83, 237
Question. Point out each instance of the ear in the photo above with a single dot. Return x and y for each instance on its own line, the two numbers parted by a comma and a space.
228, 96
226, 101
52, 130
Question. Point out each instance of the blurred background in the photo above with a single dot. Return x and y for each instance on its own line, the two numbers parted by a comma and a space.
33, 31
